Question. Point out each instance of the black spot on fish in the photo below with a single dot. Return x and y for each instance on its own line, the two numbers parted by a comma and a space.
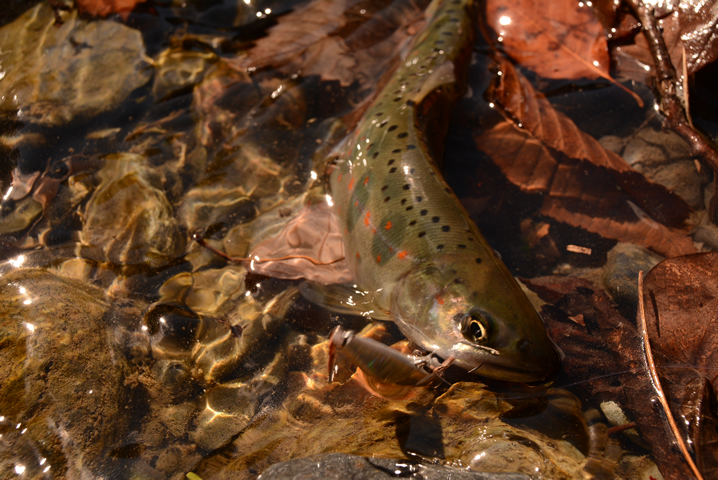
402, 135
411, 147
411, 171
478, 260
376, 154
397, 99
383, 123
424, 212
393, 127
391, 160
409, 208
392, 170
411, 103
458, 281
387, 199
439, 247
412, 223
447, 190
403, 201
448, 34
396, 150
445, 228
461, 246
421, 234
406, 186
379, 114
419, 199
435, 219
438, 42
383, 189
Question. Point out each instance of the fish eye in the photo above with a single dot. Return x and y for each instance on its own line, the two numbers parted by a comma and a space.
475, 327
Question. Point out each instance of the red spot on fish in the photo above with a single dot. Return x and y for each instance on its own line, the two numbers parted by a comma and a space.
339, 209
366, 218
339, 178
357, 255
373, 230
351, 184
366, 180
378, 259
439, 300
391, 249
356, 203
388, 225
402, 255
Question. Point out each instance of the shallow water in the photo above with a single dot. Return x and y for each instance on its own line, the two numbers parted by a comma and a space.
129, 351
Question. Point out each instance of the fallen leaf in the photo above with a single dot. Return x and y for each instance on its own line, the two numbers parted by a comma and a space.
543, 151
690, 26
346, 40
553, 38
313, 234
604, 361
681, 304
682, 297
103, 8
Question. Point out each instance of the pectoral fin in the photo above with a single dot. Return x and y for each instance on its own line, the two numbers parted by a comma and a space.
344, 299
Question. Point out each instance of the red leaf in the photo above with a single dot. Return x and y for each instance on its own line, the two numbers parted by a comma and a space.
103, 8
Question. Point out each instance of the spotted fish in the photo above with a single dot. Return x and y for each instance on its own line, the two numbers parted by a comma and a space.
408, 240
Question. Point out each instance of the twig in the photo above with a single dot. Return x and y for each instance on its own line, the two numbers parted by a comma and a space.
670, 104
197, 237
655, 381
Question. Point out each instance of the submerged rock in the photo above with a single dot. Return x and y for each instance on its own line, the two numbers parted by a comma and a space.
62, 392
620, 275
56, 73
128, 220
330, 466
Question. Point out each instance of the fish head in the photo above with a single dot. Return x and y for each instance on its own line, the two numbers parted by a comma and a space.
477, 314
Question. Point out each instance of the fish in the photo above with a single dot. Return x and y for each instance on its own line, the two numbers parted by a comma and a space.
413, 252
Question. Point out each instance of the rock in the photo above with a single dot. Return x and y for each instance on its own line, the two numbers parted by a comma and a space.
54, 74
61, 377
129, 221
663, 157
620, 275
338, 466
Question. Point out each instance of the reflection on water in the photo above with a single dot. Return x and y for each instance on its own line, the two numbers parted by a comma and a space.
129, 351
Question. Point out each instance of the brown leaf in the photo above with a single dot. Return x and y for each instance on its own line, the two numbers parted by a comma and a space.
606, 362
314, 233
345, 40
583, 184
682, 314
691, 26
103, 8
681, 305
554, 38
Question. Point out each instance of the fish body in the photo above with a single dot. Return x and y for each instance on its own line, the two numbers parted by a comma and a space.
407, 238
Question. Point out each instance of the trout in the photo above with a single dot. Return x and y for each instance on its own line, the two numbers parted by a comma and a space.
407, 238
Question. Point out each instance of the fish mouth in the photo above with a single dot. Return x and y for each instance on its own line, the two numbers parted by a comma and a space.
503, 368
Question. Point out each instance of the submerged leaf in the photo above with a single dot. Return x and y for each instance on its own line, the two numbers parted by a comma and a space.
584, 184
681, 304
553, 38
103, 8
313, 234
689, 28
348, 41
605, 360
